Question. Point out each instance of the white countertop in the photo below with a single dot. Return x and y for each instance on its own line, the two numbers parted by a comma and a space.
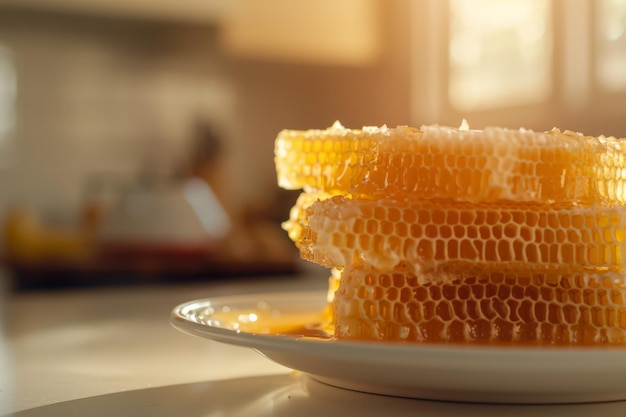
112, 351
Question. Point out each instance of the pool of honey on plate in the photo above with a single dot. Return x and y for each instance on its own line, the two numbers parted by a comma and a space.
315, 324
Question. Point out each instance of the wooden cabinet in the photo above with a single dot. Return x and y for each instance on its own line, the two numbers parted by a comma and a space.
200, 11
347, 32
321, 31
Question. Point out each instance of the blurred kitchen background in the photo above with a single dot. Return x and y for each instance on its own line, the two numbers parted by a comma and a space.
136, 137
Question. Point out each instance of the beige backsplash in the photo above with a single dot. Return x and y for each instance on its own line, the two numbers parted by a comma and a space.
106, 97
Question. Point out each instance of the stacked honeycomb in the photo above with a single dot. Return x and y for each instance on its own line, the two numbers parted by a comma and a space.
455, 235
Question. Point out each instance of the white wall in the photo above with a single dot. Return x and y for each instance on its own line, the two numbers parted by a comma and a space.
100, 97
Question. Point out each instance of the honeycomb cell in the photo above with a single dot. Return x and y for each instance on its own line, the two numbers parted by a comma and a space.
297, 215
328, 160
431, 242
431, 162
494, 313
452, 235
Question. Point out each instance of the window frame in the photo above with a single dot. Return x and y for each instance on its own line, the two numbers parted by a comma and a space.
576, 100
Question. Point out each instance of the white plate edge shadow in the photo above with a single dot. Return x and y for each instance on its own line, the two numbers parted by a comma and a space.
457, 373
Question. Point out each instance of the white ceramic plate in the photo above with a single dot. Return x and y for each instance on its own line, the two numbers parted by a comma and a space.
456, 373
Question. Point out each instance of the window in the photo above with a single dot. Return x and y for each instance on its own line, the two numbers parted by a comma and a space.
531, 63
8, 90
611, 44
499, 53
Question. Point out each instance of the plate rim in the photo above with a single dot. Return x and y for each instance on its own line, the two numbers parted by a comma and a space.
506, 358
529, 375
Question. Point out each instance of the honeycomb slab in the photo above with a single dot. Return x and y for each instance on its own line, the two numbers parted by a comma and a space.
445, 235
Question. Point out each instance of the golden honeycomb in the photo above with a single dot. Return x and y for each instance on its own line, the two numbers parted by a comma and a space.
425, 234
298, 219
450, 235
490, 165
433, 162
481, 307
324, 160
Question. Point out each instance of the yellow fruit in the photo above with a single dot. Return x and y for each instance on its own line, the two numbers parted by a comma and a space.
27, 239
